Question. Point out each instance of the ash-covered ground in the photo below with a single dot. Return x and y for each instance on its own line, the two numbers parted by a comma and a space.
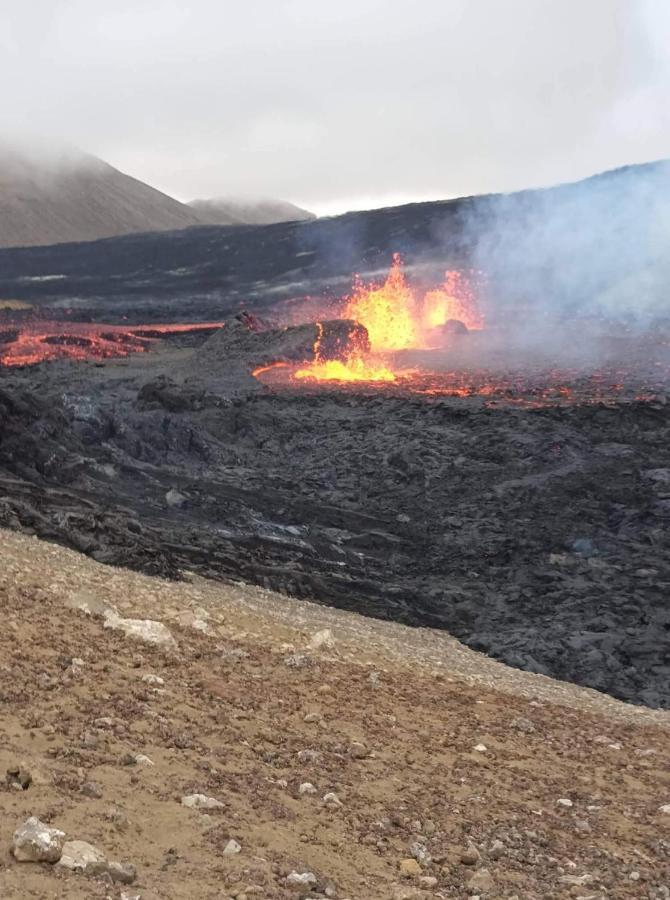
533, 527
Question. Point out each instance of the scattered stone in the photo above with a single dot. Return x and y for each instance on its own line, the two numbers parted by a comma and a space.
322, 639
308, 756
565, 802
576, 880
297, 661
481, 881
91, 789
122, 873
201, 801
313, 718
497, 849
332, 801
307, 788
420, 853
524, 725
153, 679
665, 809
19, 778
301, 881
358, 750
470, 856
36, 842
410, 868
481, 748
143, 629
82, 857
232, 847
175, 499
428, 881
143, 760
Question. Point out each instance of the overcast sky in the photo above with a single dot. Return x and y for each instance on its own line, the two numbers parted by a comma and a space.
339, 104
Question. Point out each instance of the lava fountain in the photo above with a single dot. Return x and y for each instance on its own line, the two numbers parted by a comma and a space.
397, 316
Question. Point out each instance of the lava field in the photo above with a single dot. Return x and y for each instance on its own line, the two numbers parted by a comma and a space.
534, 531
485, 451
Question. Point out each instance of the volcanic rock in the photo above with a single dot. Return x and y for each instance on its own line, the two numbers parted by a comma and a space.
82, 857
36, 842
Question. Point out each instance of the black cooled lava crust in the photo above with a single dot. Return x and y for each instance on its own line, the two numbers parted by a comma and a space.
539, 536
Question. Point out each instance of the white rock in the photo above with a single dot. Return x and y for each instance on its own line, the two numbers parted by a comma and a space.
307, 788
36, 842
153, 679
331, 799
563, 801
322, 639
481, 748
665, 809
143, 760
232, 847
300, 880
82, 857
143, 629
201, 801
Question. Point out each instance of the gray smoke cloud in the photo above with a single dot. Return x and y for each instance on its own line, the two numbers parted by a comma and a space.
334, 105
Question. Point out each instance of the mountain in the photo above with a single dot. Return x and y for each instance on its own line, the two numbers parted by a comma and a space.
66, 196
596, 246
230, 211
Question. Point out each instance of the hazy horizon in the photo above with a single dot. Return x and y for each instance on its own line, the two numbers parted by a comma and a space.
337, 107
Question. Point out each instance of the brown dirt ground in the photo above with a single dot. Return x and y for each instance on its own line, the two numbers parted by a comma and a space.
229, 722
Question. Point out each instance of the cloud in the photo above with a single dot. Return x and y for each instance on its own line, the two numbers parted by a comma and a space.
347, 103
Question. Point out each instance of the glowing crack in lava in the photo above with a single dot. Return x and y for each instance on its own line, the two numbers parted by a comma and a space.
397, 317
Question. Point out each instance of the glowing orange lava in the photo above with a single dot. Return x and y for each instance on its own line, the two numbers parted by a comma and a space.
354, 366
398, 317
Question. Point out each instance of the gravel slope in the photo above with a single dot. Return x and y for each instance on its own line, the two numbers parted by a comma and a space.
387, 718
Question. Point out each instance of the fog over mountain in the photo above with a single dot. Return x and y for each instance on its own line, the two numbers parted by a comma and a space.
54, 195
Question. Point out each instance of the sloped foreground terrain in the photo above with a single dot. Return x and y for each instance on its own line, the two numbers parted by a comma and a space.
339, 757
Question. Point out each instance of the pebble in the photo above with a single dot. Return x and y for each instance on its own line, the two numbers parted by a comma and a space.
298, 881
153, 679
470, 856
308, 756
307, 788
201, 801
665, 809
496, 850
321, 639
91, 789
332, 800
147, 630
481, 748
122, 873
410, 868
313, 718
19, 778
232, 847
82, 857
482, 880
565, 802
357, 750
36, 842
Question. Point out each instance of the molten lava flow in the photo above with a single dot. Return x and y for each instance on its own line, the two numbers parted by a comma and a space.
35, 341
354, 366
398, 317
352, 369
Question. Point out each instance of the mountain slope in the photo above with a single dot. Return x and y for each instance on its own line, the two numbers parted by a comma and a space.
69, 196
229, 211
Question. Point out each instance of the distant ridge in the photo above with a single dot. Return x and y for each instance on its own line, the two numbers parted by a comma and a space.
66, 196
230, 211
